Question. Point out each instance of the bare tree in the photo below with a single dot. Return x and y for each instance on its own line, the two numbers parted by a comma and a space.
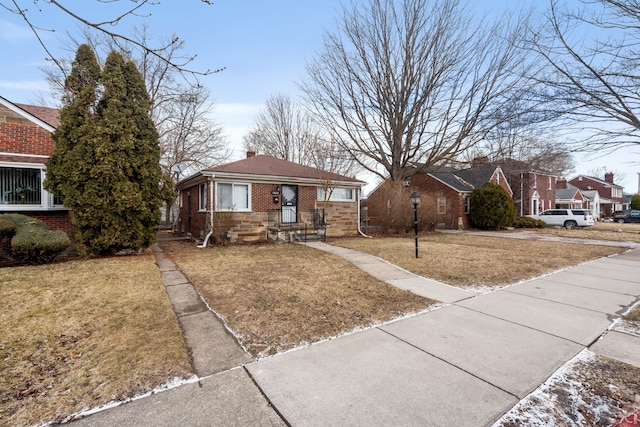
411, 82
590, 70
188, 135
283, 129
182, 114
33, 11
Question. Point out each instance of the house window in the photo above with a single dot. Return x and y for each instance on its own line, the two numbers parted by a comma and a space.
202, 193
232, 197
20, 186
535, 181
442, 205
337, 194
467, 205
549, 187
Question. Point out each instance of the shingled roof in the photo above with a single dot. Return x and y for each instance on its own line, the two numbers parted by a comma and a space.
46, 114
263, 165
466, 179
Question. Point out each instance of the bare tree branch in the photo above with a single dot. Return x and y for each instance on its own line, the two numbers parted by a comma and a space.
590, 69
411, 82
103, 27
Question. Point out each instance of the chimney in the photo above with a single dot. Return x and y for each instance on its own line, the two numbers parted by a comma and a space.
561, 184
251, 152
608, 177
479, 161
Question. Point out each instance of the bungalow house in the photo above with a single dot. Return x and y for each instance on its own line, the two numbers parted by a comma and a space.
25, 146
568, 196
262, 197
611, 194
592, 202
534, 190
444, 196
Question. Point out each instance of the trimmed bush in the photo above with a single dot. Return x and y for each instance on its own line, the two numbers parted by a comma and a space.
491, 208
528, 222
33, 242
7, 228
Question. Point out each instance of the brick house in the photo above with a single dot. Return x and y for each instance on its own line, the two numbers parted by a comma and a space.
262, 197
570, 197
611, 194
25, 146
534, 190
444, 195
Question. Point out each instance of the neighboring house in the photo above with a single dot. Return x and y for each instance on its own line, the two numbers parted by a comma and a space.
263, 197
533, 190
569, 197
611, 194
444, 195
592, 200
25, 146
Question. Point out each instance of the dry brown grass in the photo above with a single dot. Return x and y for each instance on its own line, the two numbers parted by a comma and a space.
633, 315
80, 334
277, 297
468, 260
601, 231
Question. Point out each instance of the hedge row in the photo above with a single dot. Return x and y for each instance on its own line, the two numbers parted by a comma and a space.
31, 240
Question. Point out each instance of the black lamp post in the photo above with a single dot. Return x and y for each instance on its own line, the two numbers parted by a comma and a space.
415, 199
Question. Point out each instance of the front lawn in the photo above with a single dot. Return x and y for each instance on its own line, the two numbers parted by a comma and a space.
600, 231
277, 297
476, 261
77, 335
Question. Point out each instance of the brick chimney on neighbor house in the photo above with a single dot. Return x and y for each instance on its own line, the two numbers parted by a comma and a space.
608, 177
251, 153
561, 184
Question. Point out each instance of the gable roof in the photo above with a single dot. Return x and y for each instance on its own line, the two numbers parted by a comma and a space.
262, 167
568, 193
466, 180
45, 117
48, 115
598, 180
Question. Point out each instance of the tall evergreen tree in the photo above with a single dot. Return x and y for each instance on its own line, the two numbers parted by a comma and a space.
114, 195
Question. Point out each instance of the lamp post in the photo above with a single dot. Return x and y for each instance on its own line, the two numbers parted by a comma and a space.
415, 199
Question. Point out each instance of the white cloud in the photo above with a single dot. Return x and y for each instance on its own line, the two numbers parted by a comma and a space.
12, 32
30, 85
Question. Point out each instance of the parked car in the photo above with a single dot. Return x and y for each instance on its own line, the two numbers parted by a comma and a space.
568, 218
631, 215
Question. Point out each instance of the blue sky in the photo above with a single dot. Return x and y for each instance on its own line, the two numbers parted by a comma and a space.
263, 45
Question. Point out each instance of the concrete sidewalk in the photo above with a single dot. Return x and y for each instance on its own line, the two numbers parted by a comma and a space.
464, 364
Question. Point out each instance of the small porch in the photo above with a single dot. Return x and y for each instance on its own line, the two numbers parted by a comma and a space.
282, 226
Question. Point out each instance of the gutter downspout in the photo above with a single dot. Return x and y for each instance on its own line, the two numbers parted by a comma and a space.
359, 229
206, 239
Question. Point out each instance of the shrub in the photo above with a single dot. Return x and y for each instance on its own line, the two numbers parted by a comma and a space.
33, 242
7, 228
528, 222
491, 207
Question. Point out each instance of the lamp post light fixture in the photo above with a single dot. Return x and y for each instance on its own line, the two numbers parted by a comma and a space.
415, 199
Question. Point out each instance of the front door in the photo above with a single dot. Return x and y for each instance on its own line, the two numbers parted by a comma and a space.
289, 204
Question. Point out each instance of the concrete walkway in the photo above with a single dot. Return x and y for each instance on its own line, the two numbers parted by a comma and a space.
464, 364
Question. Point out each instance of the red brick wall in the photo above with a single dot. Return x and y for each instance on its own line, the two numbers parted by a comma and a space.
19, 135
55, 220
252, 225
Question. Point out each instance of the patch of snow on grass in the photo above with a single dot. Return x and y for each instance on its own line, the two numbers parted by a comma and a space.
559, 401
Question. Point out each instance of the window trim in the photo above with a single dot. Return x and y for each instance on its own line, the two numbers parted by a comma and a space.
442, 203
46, 198
321, 190
233, 184
202, 197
